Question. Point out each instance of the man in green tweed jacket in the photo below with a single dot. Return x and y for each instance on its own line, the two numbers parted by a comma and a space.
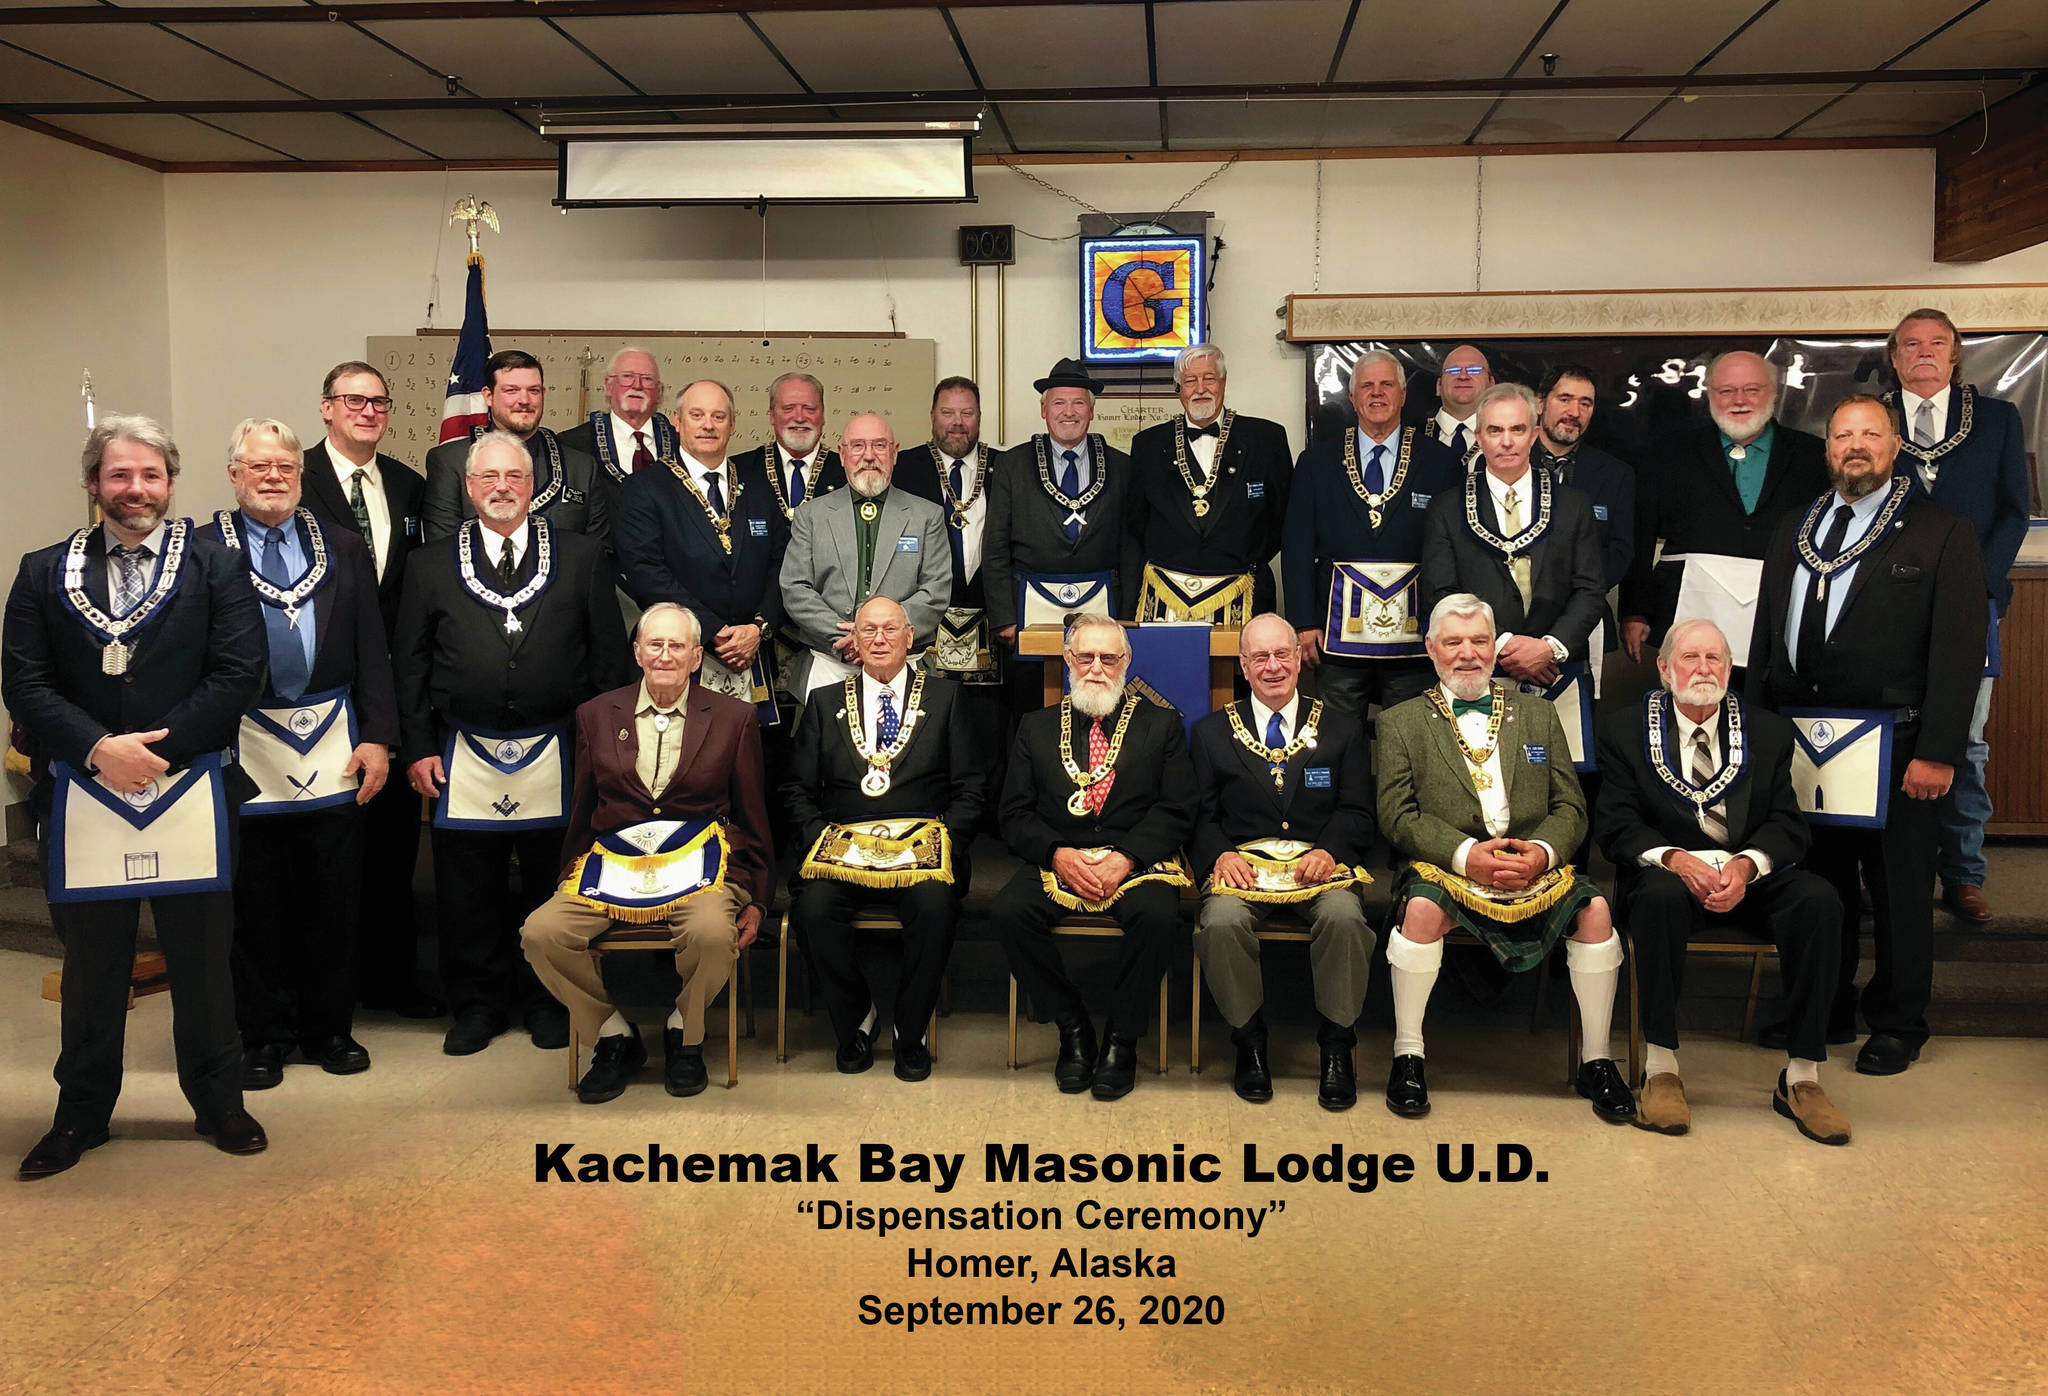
1477, 792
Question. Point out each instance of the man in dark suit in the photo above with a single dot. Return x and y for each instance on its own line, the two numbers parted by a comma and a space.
1567, 398
131, 651
1286, 781
1717, 492
1879, 608
506, 627
569, 489
1466, 374
353, 487
631, 435
1099, 799
1698, 814
797, 465
951, 470
655, 763
1209, 501
317, 744
887, 744
1353, 549
1969, 452
1057, 507
1526, 545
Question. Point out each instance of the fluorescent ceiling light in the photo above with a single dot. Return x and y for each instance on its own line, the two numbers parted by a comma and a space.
810, 163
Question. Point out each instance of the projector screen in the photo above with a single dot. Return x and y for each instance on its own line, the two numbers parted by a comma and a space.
866, 169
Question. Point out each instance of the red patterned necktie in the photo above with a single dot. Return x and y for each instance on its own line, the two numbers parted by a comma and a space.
1098, 751
641, 456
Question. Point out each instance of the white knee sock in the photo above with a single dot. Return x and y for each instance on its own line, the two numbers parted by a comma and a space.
1798, 1069
615, 1026
1655, 1058
1414, 970
1595, 971
675, 1018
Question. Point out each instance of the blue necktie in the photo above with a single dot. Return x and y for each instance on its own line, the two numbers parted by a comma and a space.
957, 479
1458, 441
1273, 737
796, 484
1375, 477
715, 492
129, 578
1070, 486
887, 724
288, 671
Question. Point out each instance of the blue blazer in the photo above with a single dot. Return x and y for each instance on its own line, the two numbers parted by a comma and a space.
1984, 478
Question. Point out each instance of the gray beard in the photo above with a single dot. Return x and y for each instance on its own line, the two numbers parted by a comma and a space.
1732, 434
1471, 690
1090, 700
1711, 699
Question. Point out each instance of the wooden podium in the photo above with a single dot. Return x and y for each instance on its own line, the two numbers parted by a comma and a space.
1043, 642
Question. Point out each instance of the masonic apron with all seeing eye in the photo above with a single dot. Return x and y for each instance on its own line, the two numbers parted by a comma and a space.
642, 872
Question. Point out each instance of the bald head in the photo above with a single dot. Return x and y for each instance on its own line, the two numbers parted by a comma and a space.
881, 637
1269, 652
1466, 375
868, 450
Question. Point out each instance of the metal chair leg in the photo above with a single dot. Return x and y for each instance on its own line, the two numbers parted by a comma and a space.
1163, 1034
575, 1049
1013, 1022
732, 1034
1756, 979
1572, 1045
782, 995
1635, 1028
747, 986
1195, 1020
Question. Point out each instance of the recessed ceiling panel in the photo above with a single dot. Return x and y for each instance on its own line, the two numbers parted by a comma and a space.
27, 78
317, 135
1048, 126
868, 50
2010, 33
165, 137
1625, 38
1589, 116
1391, 42
1404, 121
1055, 45
1227, 125
326, 60
465, 135
1892, 111
1731, 114
684, 53
144, 59
1824, 36
1248, 41
501, 57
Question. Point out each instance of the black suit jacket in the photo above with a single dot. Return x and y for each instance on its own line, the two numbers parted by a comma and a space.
453, 659
1610, 483
349, 648
1027, 530
404, 495
195, 668
1984, 478
668, 548
1636, 812
1910, 633
1247, 505
918, 473
1238, 802
831, 472
943, 771
1686, 497
1567, 591
1150, 811
584, 505
614, 457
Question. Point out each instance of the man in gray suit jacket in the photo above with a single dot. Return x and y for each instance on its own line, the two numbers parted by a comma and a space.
866, 540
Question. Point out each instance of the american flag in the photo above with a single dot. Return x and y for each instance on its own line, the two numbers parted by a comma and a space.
465, 408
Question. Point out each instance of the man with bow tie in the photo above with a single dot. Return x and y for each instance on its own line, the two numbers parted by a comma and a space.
1285, 784
632, 434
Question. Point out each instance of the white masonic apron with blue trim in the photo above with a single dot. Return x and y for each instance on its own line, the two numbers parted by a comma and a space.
508, 781
167, 839
1049, 598
1841, 764
1572, 696
296, 752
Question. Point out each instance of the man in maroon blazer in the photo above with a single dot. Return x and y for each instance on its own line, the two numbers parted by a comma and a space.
652, 761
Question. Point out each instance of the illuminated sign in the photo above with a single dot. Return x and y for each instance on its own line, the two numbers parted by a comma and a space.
1141, 298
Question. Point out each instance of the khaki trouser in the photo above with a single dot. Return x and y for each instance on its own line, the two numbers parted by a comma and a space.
703, 934
1339, 955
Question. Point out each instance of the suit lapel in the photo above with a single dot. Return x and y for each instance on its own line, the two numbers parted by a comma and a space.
1453, 759
1260, 774
1505, 745
888, 529
320, 482
323, 599
1871, 562
1714, 466
99, 586
696, 727
626, 738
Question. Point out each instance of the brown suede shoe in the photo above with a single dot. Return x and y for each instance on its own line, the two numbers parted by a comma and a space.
1966, 901
1660, 1105
1808, 1106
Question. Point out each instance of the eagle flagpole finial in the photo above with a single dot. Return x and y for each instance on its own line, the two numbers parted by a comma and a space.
470, 213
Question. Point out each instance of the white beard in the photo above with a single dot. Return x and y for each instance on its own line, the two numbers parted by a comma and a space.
1735, 431
1096, 698
1702, 693
1469, 689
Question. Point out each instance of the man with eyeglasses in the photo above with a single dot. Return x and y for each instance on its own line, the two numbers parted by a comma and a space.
1466, 374
632, 435
889, 777
317, 744
1286, 791
352, 487
569, 489
1712, 498
1098, 801
506, 627
865, 540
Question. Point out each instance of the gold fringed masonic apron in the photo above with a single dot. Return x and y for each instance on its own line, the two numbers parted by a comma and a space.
1168, 595
1518, 927
1172, 873
897, 852
1273, 866
643, 872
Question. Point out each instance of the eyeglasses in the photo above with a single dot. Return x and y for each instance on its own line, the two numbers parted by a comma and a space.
889, 630
633, 380
356, 402
1270, 657
502, 477
1466, 371
283, 469
664, 646
1092, 660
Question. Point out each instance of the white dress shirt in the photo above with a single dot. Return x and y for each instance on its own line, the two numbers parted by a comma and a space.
152, 554
494, 543
1262, 716
975, 514
702, 473
1861, 515
871, 691
797, 467
1447, 427
374, 502
1202, 449
1525, 499
1912, 401
1680, 761
1493, 800
1084, 463
622, 440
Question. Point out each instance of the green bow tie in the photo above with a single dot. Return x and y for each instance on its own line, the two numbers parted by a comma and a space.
1461, 706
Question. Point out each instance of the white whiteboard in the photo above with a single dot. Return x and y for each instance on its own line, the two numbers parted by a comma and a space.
891, 376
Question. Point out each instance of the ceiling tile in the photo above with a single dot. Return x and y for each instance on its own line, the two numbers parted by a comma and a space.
1391, 42
27, 78
501, 57
317, 136
1227, 125
1425, 121
668, 54
1812, 36
1731, 114
465, 135
1043, 126
1625, 38
2014, 32
1588, 116
1248, 41
868, 51
165, 137
327, 60
144, 59
1055, 46
1887, 110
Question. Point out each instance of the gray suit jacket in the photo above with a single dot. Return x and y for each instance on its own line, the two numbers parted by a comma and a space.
913, 563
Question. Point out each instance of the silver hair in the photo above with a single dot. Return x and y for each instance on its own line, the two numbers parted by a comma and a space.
490, 440
1508, 392
731, 405
1384, 356
1461, 604
1686, 627
1293, 635
1194, 352
613, 366
1777, 378
879, 599
264, 426
1089, 620
143, 431
776, 386
693, 632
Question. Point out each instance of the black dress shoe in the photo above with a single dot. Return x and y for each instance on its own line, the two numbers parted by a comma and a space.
1775, 1036
235, 1133
340, 1055
1253, 1080
262, 1067
913, 1060
682, 1068
57, 1151
1886, 1054
406, 1003
548, 1025
1408, 1088
1601, 1082
1116, 1070
1339, 1087
615, 1060
1075, 1068
471, 1032
856, 1054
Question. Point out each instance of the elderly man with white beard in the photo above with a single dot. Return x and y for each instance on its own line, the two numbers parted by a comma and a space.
1477, 793
1698, 813
1099, 799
